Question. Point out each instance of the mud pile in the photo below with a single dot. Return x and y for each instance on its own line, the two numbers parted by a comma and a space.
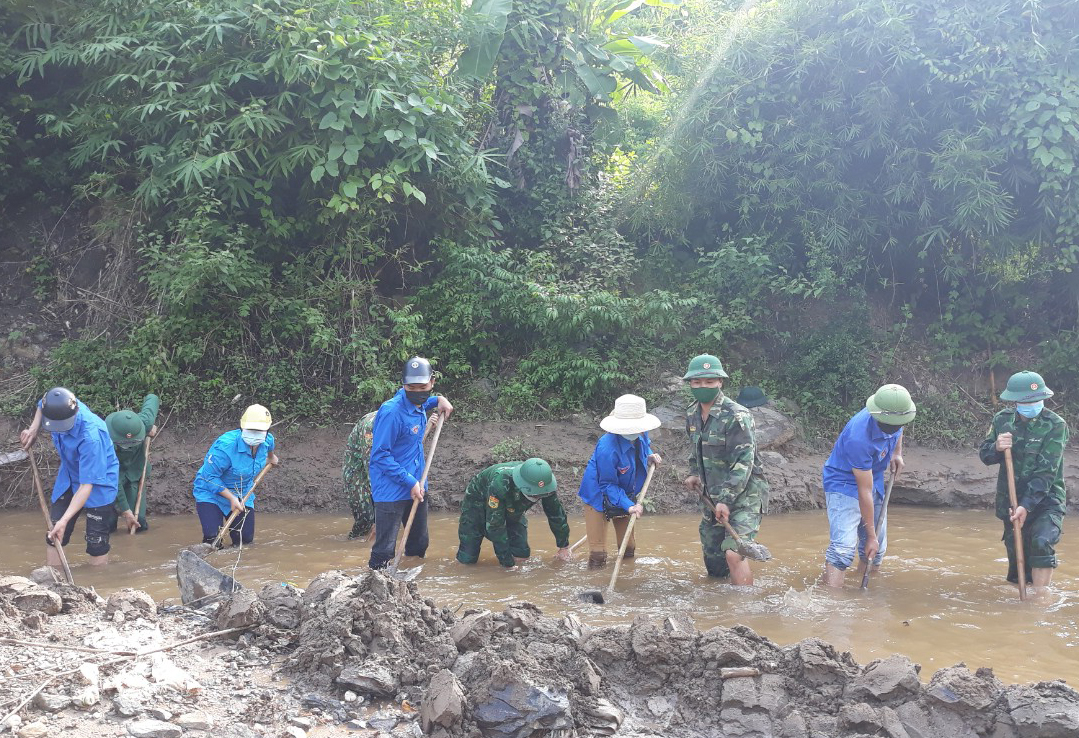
517, 672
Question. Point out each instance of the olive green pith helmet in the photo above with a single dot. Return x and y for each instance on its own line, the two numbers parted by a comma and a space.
535, 479
1026, 387
125, 427
705, 366
891, 405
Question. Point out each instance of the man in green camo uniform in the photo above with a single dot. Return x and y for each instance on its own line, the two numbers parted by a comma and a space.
128, 432
1037, 437
494, 506
357, 482
724, 469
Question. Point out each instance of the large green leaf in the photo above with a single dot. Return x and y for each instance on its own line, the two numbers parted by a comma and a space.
635, 46
599, 84
490, 28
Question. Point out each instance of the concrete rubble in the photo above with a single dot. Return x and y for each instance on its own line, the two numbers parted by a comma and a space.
368, 655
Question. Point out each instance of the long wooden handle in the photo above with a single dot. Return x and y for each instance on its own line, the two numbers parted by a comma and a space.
1017, 529
578, 543
416, 503
629, 528
142, 483
879, 526
58, 545
232, 516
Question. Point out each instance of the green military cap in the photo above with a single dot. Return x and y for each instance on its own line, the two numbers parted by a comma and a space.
705, 366
1026, 387
891, 405
534, 478
125, 428
752, 397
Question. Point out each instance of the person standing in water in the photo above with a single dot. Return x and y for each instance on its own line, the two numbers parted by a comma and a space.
1037, 437
356, 476
725, 470
397, 462
87, 477
229, 471
853, 476
615, 475
128, 432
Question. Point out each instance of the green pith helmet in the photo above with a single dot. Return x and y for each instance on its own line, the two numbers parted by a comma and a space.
535, 479
752, 397
705, 366
125, 427
1026, 387
891, 405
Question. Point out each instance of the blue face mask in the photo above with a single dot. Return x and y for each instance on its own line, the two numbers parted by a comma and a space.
253, 437
1030, 409
631, 437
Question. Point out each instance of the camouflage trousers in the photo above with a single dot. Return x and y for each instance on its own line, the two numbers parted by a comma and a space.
358, 496
472, 529
745, 518
1041, 533
129, 489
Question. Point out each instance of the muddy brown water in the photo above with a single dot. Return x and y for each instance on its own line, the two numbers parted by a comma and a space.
941, 598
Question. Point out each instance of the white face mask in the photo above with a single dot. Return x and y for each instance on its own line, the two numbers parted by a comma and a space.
253, 437
631, 437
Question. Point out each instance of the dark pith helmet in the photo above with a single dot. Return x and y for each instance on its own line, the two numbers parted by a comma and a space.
535, 479
125, 427
1026, 387
417, 370
705, 366
58, 409
752, 397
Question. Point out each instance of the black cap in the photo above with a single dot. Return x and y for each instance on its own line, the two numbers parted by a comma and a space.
417, 370
59, 408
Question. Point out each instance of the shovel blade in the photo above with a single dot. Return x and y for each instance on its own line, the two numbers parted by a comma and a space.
592, 597
407, 575
755, 551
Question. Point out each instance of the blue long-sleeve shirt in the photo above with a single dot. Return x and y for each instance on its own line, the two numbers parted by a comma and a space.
864, 446
397, 447
87, 457
616, 469
230, 464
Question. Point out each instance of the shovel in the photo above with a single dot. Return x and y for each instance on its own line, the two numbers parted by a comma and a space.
142, 484
746, 549
1017, 530
392, 568
58, 545
879, 527
232, 516
596, 597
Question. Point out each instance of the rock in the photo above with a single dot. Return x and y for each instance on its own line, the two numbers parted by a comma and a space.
197, 720
766, 693
154, 729
12, 723
131, 603
201, 583
522, 615
721, 647
1045, 710
90, 674
52, 702
859, 718
893, 678
369, 678
30, 597
444, 704
36, 729
86, 697
335, 709
350, 696
128, 703
518, 708
243, 609
385, 724
773, 428
166, 673
160, 713
603, 718
293, 732
472, 631
45, 576
283, 604
301, 722
818, 663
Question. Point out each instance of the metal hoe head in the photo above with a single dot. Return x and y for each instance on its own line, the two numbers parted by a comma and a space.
592, 597
754, 551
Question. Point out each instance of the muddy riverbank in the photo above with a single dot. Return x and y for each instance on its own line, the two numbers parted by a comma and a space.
373, 656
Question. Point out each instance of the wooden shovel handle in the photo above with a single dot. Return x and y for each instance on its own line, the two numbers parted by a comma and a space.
142, 483
58, 545
629, 528
232, 516
416, 503
1017, 529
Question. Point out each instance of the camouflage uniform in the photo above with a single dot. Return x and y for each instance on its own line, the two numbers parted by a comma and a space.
1038, 457
357, 482
132, 460
724, 455
494, 508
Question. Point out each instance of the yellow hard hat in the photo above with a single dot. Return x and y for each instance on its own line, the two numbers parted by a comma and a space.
256, 417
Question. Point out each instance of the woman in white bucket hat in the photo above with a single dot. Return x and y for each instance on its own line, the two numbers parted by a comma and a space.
615, 475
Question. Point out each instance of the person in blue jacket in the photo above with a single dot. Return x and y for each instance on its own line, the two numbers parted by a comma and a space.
227, 474
87, 478
615, 475
397, 462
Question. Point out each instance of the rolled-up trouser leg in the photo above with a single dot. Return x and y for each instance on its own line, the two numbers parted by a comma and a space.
595, 527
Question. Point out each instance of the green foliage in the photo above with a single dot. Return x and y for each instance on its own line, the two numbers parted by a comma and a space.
511, 449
